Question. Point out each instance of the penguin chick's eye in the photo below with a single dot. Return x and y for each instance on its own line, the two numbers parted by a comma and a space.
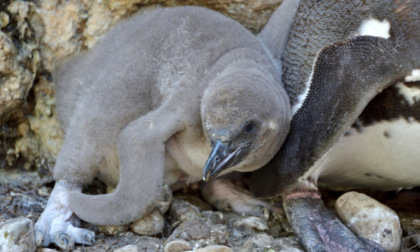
249, 127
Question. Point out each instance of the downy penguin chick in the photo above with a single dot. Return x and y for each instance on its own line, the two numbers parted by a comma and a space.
344, 64
162, 95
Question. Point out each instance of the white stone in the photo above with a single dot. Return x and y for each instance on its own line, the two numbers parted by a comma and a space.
370, 219
214, 248
17, 235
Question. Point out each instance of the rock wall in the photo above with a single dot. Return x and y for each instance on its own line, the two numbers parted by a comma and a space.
36, 35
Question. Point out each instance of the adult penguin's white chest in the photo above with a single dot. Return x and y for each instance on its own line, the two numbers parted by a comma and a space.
382, 149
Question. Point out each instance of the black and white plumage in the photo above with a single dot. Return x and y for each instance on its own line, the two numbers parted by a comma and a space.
350, 70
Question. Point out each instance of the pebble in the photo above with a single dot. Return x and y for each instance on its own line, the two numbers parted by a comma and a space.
213, 218
260, 242
183, 210
128, 248
177, 246
219, 234
113, 230
370, 219
151, 224
214, 248
193, 229
253, 222
4, 19
17, 235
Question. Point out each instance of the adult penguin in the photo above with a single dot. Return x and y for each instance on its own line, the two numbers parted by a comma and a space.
351, 70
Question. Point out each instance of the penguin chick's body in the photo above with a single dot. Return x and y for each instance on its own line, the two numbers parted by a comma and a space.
150, 101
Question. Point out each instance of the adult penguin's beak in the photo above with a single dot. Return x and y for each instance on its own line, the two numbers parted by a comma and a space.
221, 157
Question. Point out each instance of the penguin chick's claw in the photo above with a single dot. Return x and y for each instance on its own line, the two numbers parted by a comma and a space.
319, 229
223, 194
58, 224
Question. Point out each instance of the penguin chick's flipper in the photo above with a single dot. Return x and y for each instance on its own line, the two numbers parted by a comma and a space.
345, 77
318, 228
58, 224
224, 194
275, 32
139, 171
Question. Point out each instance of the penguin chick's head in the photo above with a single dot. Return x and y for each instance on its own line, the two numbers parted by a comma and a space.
245, 117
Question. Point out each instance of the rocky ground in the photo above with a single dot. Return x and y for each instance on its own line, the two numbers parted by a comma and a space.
190, 224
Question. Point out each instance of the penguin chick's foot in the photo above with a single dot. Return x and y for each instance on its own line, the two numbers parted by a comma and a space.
223, 194
318, 228
58, 224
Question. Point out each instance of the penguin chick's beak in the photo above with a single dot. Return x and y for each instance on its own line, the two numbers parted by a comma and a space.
221, 157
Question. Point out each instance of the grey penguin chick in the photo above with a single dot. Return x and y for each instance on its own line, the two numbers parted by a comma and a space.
351, 70
162, 95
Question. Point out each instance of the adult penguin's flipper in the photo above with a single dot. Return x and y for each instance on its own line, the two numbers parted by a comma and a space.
345, 77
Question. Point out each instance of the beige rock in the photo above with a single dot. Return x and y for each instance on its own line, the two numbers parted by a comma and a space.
20, 63
151, 224
41, 134
370, 219
4, 19
19, 60
177, 246
214, 248
62, 25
